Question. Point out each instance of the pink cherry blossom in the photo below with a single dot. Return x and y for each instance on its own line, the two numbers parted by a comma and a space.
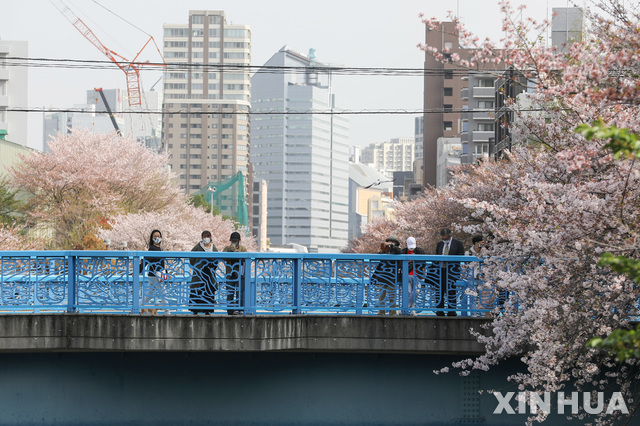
553, 205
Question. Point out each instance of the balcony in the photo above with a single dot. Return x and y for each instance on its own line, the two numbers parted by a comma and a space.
484, 92
484, 115
482, 136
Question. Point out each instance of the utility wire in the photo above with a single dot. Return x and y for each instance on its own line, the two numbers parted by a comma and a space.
300, 112
120, 17
183, 66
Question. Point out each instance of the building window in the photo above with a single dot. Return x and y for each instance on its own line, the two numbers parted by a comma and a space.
448, 74
485, 104
448, 108
448, 125
448, 91
485, 82
486, 127
233, 33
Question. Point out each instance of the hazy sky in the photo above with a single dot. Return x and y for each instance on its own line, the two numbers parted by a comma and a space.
354, 33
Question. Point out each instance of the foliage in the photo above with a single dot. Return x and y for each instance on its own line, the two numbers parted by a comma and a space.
556, 203
199, 200
622, 142
622, 265
91, 242
10, 206
624, 344
87, 179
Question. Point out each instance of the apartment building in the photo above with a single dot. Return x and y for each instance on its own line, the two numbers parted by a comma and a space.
207, 95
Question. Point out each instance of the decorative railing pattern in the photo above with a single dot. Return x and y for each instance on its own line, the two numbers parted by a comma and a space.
249, 283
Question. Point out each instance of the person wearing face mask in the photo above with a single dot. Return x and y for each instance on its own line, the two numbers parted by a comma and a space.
235, 276
156, 269
413, 280
202, 290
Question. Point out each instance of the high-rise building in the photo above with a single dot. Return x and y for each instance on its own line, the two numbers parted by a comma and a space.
207, 94
303, 156
396, 155
418, 135
13, 91
446, 95
479, 119
567, 27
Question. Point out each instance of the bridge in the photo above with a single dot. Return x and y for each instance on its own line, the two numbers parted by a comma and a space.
249, 283
309, 347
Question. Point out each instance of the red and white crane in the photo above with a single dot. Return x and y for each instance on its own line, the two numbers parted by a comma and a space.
131, 68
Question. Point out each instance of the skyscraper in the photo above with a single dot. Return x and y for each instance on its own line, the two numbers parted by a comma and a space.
207, 94
13, 91
302, 154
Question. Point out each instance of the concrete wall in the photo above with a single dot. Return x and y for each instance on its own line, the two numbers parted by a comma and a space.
86, 332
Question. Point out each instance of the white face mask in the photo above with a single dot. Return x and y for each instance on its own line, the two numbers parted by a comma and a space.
157, 240
206, 241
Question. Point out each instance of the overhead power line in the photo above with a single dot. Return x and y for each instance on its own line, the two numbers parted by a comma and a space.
305, 112
65, 63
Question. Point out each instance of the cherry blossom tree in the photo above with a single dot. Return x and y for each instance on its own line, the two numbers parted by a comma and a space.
555, 204
181, 227
12, 237
88, 178
422, 220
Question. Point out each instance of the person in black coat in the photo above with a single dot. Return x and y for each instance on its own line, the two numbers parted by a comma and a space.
235, 277
156, 267
385, 276
202, 290
449, 271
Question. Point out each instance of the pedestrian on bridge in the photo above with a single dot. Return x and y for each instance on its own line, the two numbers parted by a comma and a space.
385, 277
156, 273
235, 277
449, 271
413, 281
203, 287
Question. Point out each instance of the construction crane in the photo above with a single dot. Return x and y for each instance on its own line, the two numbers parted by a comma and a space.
131, 68
106, 105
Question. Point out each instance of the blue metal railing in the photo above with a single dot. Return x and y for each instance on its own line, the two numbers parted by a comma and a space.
249, 283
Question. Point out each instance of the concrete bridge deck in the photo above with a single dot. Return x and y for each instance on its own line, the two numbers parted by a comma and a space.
61, 332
